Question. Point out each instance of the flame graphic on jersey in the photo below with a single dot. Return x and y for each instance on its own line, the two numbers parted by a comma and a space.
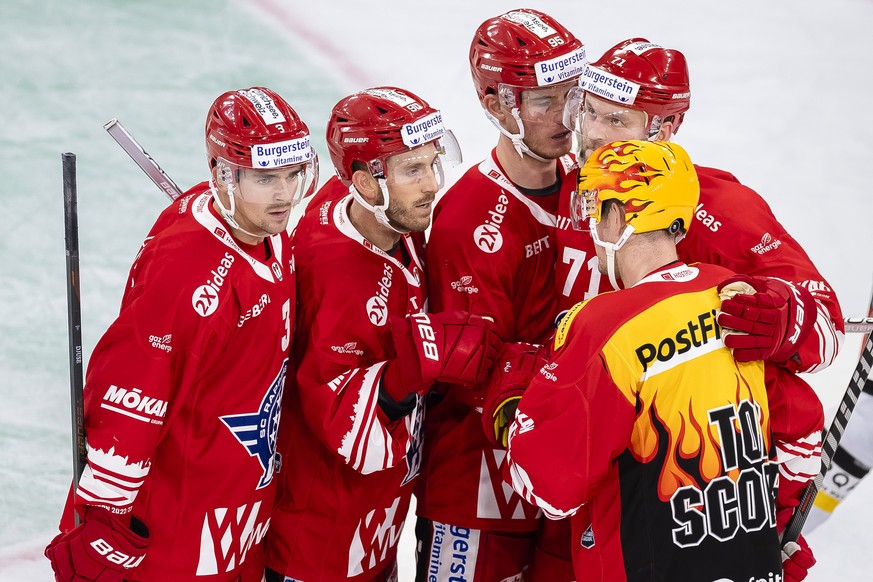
692, 452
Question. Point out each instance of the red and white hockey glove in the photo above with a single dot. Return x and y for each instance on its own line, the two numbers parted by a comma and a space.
513, 372
453, 346
797, 559
100, 549
764, 318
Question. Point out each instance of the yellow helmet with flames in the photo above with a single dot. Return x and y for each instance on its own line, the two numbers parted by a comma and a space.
655, 181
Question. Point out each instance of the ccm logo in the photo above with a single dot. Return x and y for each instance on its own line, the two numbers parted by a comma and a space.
428, 337
114, 556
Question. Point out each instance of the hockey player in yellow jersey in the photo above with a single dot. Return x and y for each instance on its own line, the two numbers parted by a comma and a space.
642, 426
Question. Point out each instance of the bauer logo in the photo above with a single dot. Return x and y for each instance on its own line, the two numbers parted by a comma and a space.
562, 68
424, 130
216, 140
609, 86
283, 153
532, 22
265, 106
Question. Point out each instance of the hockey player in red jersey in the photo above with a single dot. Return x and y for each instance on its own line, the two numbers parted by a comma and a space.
492, 252
182, 395
640, 90
366, 348
757, 245
643, 426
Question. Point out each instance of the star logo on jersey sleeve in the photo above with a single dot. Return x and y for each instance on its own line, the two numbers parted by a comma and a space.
257, 431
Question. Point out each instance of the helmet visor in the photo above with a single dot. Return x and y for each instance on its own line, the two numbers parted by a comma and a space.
573, 109
584, 206
279, 186
539, 104
422, 163
610, 120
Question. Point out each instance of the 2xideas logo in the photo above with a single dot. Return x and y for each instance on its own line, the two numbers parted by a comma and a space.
205, 297
487, 235
377, 305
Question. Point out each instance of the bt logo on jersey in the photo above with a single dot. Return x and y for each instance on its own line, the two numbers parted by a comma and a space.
536, 247
487, 236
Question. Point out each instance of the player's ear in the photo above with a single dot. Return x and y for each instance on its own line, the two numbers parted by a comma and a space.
366, 185
665, 132
492, 105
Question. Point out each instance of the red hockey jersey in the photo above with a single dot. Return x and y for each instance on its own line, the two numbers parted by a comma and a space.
491, 252
735, 228
643, 416
182, 396
347, 470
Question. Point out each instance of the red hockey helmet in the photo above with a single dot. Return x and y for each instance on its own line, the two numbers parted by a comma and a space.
374, 124
642, 75
256, 128
523, 48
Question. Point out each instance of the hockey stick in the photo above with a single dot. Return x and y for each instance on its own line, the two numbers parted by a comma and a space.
142, 158
74, 316
859, 324
835, 433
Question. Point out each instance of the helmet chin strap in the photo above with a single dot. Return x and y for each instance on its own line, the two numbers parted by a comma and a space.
610, 248
379, 210
517, 138
227, 213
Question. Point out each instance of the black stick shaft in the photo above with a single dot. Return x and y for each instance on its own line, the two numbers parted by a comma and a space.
74, 316
832, 438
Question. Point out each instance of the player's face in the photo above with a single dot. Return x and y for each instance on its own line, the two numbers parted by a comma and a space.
264, 198
541, 110
605, 121
413, 180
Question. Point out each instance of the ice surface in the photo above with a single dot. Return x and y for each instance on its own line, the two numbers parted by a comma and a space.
781, 98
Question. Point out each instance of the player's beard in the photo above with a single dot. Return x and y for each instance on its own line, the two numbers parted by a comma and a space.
588, 147
409, 217
274, 218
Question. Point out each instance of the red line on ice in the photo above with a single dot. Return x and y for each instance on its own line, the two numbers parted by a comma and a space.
317, 41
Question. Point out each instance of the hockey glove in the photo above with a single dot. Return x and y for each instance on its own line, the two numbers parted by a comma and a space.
454, 347
797, 559
100, 549
764, 318
512, 374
